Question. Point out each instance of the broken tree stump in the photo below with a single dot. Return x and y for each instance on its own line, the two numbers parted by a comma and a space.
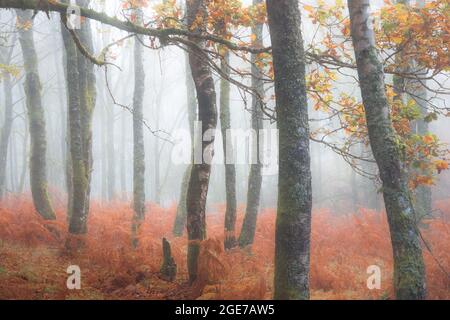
168, 267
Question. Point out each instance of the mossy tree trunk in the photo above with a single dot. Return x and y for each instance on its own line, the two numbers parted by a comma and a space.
180, 219
36, 119
409, 270
138, 136
81, 92
88, 100
247, 234
293, 223
207, 115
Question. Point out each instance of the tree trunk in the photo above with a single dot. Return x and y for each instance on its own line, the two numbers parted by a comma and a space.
88, 101
23, 172
36, 119
7, 124
255, 178
207, 115
180, 219
63, 110
109, 133
409, 270
81, 102
230, 170
138, 137
293, 223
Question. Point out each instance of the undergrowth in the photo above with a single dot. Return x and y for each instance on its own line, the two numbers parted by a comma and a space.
33, 261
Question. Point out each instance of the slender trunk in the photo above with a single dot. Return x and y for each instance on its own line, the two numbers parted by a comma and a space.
24, 160
104, 152
409, 270
180, 219
247, 234
422, 195
110, 152
123, 145
36, 119
63, 115
230, 170
5, 133
207, 115
138, 137
12, 165
157, 157
293, 223
110, 119
76, 116
87, 104
156, 148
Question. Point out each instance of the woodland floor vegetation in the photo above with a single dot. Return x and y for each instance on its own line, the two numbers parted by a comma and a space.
33, 261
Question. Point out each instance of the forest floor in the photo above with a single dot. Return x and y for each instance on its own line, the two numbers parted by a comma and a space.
33, 261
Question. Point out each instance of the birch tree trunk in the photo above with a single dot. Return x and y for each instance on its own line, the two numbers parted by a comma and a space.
409, 270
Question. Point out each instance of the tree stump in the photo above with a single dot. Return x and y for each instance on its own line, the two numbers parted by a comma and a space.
168, 267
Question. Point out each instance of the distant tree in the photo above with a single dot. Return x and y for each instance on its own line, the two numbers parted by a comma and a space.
230, 169
418, 90
5, 133
138, 134
255, 178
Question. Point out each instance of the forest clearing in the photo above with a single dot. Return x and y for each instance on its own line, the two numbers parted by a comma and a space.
224, 150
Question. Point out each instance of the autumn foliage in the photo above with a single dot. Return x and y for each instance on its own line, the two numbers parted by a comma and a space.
33, 261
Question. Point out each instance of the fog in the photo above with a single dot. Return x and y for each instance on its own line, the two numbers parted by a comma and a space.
335, 184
